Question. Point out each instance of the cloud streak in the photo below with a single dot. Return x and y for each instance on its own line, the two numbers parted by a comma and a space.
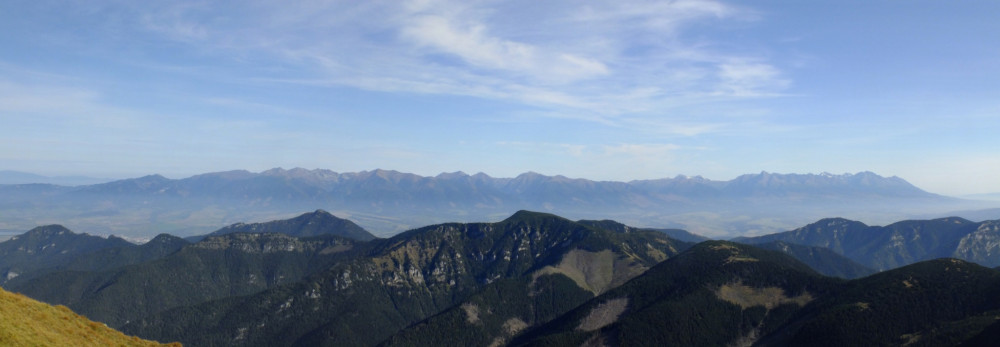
597, 60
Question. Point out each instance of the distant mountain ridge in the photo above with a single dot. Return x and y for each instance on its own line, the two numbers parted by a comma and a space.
18, 177
387, 201
900, 243
461, 186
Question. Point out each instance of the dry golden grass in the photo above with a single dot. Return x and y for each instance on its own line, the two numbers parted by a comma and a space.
26, 322
769, 297
592, 271
736, 255
603, 315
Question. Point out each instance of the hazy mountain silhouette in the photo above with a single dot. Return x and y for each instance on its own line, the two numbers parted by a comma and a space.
387, 202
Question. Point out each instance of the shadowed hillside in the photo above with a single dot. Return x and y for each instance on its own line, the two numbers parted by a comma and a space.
900, 243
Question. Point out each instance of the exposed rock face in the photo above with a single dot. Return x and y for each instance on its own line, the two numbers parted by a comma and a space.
981, 246
420, 273
898, 244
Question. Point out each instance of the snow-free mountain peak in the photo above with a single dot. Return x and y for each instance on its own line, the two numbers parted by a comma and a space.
314, 223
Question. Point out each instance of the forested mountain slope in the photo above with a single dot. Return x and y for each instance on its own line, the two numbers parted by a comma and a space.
900, 243
416, 275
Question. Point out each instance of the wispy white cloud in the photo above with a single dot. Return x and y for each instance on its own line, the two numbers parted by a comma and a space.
671, 127
663, 16
60, 108
174, 22
748, 79
470, 43
20, 98
459, 34
610, 58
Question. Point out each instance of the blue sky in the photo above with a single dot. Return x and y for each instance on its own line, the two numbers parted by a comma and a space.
615, 90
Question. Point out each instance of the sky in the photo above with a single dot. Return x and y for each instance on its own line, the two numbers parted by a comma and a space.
603, 90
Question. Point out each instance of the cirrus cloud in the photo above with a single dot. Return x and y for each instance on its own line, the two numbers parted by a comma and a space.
609, 58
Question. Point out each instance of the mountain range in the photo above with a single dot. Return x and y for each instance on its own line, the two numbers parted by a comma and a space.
549, 263
116, 281
530, 279
388, 202
900, 243
18, 177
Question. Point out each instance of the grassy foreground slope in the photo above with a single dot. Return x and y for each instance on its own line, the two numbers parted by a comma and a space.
26, 322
